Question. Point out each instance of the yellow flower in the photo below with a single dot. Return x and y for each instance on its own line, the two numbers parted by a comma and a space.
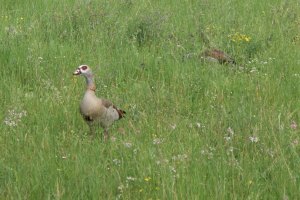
250, 182
237, 37
247, 39
147, 179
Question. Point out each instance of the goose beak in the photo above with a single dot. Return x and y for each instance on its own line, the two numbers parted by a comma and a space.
77, 72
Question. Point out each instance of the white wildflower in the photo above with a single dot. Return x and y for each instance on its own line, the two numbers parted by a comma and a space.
180, 157
253, 139
173, 126
117, 162
230, 149
13, 117
128, 144
158, 141
229, 134
174, 172
198, 125
209, 152
163, 161
172, 169
129, 178
135, 151
121, 188
253, 70
230, 131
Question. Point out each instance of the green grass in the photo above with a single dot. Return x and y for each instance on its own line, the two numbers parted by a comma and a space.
189, 124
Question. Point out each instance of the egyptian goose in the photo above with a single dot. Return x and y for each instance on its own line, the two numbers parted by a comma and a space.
96, 111
219, 56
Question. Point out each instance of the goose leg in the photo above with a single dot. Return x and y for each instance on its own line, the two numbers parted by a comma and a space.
92, 132
106, 135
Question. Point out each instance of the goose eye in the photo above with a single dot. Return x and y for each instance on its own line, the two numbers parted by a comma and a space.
84, 67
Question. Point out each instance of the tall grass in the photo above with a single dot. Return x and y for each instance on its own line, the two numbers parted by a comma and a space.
193, 130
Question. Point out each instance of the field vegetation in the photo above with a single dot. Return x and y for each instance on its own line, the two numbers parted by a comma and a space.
193, 129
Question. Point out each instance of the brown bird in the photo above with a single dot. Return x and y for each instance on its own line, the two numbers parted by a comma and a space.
215, 55
96, 111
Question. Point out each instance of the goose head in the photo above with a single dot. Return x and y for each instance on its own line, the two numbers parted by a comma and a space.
84, 70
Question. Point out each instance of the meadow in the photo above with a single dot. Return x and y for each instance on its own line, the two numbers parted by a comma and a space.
193, 129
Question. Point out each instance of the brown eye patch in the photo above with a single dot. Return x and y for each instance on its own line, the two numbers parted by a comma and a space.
84, 67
